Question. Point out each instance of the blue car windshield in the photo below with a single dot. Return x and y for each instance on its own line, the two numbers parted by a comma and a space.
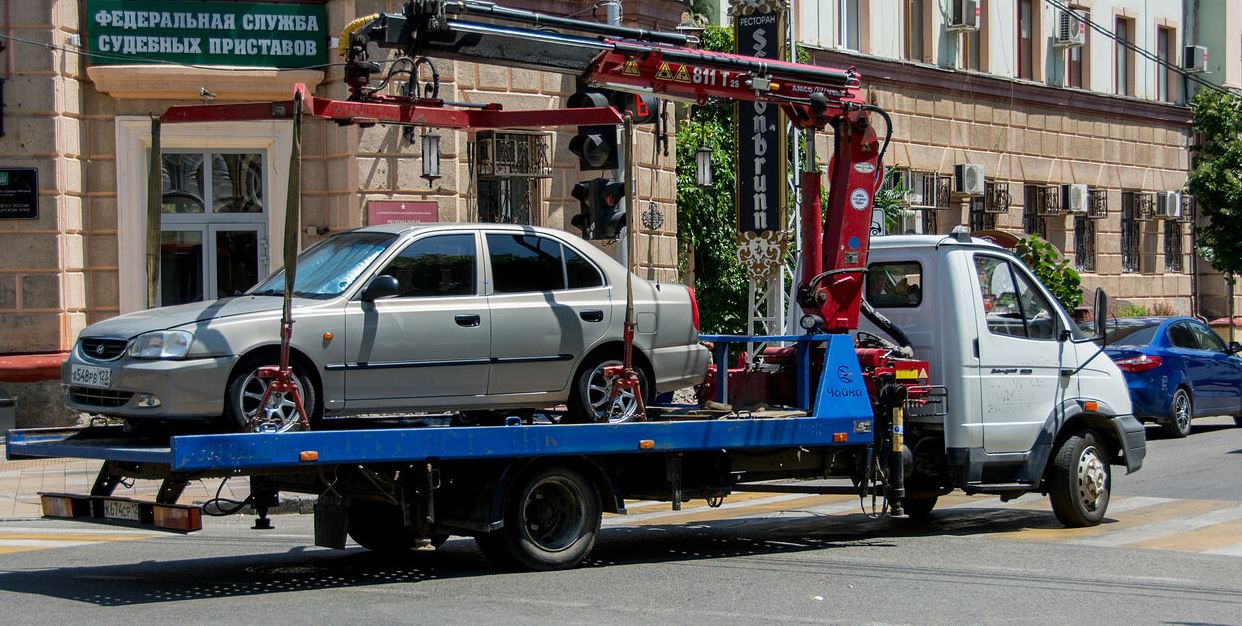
328, 268
1131, 335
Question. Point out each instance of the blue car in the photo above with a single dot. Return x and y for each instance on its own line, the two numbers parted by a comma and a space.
1177, 369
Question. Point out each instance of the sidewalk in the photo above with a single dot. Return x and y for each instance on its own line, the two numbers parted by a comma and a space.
21, 482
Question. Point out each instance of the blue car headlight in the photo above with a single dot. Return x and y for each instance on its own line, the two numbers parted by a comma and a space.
161, 344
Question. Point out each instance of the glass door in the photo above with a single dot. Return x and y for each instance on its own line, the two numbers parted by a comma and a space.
213, 242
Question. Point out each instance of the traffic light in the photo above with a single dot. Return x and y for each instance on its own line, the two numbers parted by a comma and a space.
596, 146
644, 107
600, 215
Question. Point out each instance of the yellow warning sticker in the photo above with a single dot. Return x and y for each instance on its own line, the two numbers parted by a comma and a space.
631, 68
664, 72
907, 374
682, 75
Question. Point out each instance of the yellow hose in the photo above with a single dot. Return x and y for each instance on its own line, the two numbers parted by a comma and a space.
342, 46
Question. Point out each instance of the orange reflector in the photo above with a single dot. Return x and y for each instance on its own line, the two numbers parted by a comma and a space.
183, 518
306, 456
1091, 405
646, 444
840, 437
327, 336
58, 506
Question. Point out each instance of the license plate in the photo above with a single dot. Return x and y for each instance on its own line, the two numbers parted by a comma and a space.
88, 376
119, 509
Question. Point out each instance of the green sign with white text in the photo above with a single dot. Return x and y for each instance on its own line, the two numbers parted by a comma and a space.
249, 34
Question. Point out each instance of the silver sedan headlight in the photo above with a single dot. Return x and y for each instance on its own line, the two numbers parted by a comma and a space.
161, 344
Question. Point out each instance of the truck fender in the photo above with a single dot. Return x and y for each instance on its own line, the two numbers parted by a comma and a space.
1123, 434
610, 497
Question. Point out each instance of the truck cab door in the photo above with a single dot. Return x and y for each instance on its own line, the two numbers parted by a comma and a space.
1020, 355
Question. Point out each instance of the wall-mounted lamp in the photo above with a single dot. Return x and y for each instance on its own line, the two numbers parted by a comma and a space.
703, 167
431, 157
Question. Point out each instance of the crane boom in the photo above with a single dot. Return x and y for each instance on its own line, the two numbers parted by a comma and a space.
642, 61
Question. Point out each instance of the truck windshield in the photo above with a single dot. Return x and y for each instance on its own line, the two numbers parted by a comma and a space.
328, 268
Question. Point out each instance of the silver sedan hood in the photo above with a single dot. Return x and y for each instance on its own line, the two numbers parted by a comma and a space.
133, 324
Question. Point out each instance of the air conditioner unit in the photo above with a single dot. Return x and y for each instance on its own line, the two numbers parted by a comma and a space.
913, 185
1074, 198
1168, 205
968, 179
1195, 59
1072, 28
966, 15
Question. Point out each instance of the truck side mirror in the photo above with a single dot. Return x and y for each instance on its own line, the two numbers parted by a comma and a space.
1101, 314
383, 286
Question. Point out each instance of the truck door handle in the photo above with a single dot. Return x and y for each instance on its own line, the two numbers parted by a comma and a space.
591, 315
468, 321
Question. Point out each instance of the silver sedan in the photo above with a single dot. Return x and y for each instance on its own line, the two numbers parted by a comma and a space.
465, 317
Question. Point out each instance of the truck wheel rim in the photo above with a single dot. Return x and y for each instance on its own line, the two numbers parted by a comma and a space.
599, 391
554, 515
280, 415
1092, 478
1181, 412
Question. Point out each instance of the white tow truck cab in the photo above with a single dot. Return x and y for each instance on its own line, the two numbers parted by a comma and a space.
1030, 400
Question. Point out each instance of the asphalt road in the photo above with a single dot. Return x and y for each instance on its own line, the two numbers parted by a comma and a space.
1170, 552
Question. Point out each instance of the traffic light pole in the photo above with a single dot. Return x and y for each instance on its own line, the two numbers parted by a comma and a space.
612, 10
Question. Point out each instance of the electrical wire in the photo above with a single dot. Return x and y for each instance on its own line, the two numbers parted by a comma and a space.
218, 502
1194, 78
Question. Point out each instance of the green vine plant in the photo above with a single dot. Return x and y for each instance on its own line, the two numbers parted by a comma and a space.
1052, 269
706, 218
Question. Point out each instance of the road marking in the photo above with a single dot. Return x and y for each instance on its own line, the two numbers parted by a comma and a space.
1142, 516
15, 539
1167, 527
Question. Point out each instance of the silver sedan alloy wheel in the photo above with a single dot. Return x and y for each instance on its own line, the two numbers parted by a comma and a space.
614, 410
281, 413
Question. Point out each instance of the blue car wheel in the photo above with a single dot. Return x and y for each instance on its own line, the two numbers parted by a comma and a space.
1181, 411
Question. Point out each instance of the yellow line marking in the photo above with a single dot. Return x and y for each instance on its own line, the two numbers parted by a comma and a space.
1129, 519
1198, 540
652, 507
11, 550
711, 515
72, 536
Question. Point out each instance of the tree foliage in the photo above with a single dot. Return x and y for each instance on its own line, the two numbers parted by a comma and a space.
707, 218
1052, 270
1216, 178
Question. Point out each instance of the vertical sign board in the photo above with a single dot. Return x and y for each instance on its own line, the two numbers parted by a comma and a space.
401, 211
760, 29
253, 34
19, 194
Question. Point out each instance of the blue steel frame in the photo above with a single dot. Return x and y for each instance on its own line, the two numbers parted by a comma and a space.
842, 416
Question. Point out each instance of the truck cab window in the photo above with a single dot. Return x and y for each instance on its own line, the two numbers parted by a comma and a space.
895, 285
1012, 303
435, 266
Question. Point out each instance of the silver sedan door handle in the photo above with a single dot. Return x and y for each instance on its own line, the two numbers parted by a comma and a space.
591, 315
468, 321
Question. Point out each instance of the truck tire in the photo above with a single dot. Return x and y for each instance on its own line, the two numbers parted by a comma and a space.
589, 395
1079, 480
551, 516
1181, 411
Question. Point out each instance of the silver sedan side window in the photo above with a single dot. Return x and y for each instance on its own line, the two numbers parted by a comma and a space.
443, 265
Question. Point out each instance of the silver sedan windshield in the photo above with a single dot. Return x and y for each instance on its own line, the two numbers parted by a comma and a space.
330, 267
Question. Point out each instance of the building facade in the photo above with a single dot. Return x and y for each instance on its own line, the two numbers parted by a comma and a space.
1066, 109
82, 80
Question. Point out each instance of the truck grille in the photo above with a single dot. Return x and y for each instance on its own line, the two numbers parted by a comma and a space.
103, 398
100, 349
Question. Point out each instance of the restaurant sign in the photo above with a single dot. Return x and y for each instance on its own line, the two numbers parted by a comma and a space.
251, 34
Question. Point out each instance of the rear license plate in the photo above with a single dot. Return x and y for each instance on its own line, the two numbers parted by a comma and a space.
88, 376
119, 509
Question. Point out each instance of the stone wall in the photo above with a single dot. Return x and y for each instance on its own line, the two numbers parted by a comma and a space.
42, 286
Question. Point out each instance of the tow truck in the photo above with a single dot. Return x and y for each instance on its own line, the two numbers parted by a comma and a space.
532, 494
